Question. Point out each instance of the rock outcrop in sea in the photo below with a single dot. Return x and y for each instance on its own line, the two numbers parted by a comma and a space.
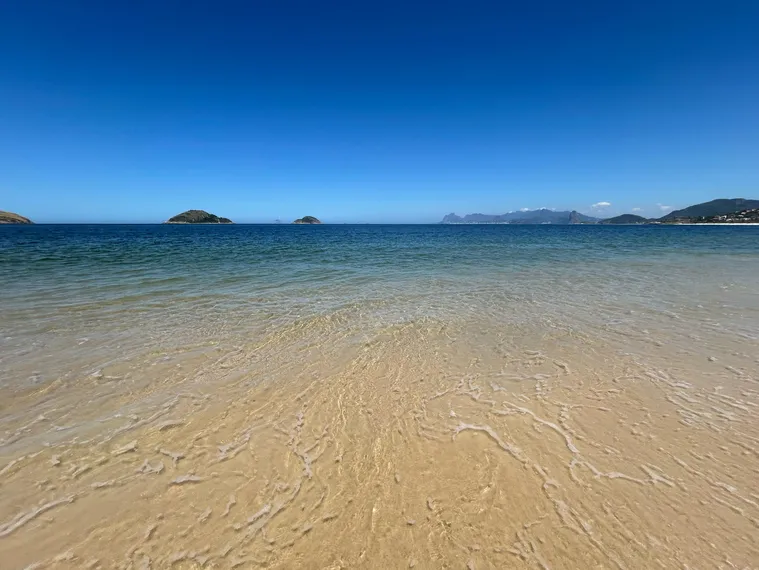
11, 218
197, 217
307, 220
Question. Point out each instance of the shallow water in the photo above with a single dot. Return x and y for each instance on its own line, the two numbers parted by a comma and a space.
379, 396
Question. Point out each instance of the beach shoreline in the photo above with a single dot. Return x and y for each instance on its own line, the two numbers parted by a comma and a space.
385, 397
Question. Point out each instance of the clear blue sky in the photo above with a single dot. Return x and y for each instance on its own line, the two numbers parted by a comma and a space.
395, 111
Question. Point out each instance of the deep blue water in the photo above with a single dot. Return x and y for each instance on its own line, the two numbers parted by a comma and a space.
400, 246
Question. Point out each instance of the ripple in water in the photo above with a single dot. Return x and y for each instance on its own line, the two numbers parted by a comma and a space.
335, 396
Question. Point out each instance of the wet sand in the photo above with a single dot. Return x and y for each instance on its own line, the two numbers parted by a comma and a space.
432, 444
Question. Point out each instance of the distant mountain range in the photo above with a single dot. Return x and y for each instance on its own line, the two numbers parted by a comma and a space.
722, 210
542, 216
708, 212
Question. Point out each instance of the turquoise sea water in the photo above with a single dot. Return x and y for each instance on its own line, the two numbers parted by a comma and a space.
85, 280
77, 296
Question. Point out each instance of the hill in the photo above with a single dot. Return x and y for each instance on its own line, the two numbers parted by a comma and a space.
197, 217
307, 220
720, 207
542, 216
750, 216
625, 219
11, 218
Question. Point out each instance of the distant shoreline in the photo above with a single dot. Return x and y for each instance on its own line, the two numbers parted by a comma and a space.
585, 225
371, 224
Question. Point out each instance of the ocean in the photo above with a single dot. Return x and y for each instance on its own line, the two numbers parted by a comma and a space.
334, 396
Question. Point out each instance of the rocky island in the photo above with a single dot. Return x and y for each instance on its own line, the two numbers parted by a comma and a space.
197, 217
11, 218
307, 220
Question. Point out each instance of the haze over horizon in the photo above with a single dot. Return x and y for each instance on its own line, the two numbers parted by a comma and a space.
381, 112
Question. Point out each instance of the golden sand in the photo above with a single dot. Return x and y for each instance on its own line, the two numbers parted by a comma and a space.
428, 445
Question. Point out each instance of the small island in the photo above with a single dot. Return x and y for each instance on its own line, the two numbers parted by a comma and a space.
307, 220
11, 218
197, 217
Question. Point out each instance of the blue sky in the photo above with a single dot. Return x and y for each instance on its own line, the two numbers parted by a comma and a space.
374, 111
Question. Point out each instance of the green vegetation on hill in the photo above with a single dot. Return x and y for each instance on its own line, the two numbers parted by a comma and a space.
750, 216
198, 217
307, 220
11, 218
718, 207
625, 219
